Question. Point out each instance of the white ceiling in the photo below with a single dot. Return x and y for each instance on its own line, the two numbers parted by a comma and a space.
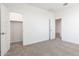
53, 6
47, 6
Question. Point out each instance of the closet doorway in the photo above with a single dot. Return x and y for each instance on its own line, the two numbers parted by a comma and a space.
58, 29
16, 28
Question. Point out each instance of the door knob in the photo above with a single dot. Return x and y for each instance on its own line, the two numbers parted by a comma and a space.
2, 33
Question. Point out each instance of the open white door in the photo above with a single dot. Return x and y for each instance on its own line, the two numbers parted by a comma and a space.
5, 30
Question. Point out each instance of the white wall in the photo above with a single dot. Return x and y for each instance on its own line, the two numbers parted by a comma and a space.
5, 27
70, 23
35, 23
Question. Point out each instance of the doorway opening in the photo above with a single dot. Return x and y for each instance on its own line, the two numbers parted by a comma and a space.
16, 29
58, 29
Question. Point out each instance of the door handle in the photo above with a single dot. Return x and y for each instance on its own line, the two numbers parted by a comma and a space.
2, 33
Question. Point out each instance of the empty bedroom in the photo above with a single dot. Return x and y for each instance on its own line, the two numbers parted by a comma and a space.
39, 29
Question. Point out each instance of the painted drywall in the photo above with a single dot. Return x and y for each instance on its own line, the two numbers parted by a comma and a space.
35, 23
70, 23
5, 27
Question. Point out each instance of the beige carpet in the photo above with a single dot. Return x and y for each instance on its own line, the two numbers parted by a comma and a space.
45, 48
